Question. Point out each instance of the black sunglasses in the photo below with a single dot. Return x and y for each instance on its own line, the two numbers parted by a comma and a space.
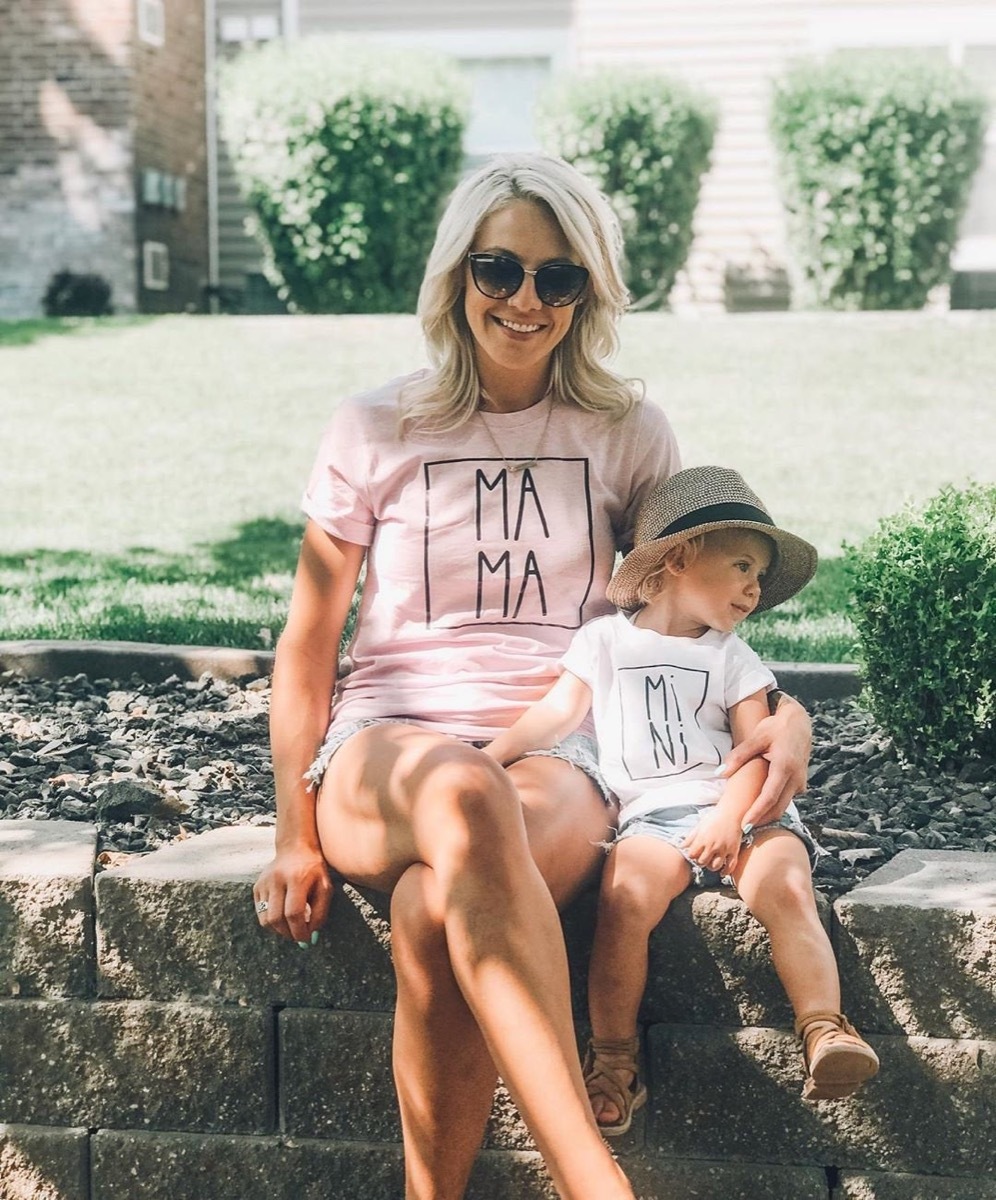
498, 277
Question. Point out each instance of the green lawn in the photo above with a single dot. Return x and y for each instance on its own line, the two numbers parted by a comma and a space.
152, 467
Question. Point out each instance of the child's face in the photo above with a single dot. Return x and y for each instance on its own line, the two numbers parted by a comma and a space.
723, 584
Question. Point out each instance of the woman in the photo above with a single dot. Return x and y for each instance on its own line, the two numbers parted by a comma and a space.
486, 499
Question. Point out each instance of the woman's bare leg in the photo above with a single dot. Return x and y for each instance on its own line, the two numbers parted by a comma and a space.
443, 1071
397, 797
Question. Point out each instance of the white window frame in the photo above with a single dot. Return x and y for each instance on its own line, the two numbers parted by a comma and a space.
248, 27
155, 266
152, 22
552, 43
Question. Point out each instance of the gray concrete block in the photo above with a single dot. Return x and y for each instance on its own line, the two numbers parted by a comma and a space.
657, 1178
38, 1163
133, 1065
46, 908
38, 659
179, 924
916, 944
710, 963
724, 1094
873, 1185
176, 1166
336, 1081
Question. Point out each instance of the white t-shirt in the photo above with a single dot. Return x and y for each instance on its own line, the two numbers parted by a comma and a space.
477, 576
661, 708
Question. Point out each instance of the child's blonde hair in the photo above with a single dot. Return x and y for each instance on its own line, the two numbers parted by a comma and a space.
655, 580
687, 551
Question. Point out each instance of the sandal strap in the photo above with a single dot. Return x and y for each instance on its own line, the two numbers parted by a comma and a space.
604, 1061
814, 1028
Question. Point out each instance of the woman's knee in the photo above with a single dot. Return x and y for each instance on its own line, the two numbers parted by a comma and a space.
468, 813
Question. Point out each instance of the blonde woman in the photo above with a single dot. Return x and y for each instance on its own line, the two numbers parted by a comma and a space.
486, 498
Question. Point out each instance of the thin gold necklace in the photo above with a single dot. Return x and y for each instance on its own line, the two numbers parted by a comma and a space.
526, 463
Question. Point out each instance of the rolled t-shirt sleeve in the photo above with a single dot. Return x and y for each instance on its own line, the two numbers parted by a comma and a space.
581, 656
745, 673
336, 496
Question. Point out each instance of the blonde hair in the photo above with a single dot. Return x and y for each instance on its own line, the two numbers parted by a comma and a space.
655, 580
687, 551
449, 395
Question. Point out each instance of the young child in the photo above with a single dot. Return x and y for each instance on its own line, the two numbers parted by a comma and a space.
671, 689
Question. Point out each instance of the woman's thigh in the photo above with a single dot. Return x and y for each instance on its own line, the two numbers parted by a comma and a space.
391, 796
567, 822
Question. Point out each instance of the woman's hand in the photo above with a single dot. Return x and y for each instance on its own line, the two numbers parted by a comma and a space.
785, 740
293, 894
715, 842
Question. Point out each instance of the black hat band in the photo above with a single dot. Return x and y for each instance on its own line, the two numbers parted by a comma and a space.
729, 511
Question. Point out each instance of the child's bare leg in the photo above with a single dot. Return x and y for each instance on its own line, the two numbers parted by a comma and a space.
641, 877
774, 879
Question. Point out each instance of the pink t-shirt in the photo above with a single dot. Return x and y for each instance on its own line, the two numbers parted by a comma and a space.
477, 576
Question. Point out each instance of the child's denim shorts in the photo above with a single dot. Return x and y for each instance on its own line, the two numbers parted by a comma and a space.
577, 749
673, 825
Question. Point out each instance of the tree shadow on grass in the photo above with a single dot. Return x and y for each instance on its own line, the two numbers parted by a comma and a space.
233, 592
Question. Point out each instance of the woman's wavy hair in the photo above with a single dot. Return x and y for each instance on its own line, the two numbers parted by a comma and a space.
449, 395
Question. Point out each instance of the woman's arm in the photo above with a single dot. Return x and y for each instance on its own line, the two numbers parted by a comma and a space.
544, 723
784, 739
715, 842
296, 884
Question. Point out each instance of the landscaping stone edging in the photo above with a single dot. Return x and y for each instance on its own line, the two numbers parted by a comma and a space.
154, 662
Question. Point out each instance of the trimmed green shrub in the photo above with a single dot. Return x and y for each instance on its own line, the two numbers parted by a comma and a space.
876, 158
71, 294
344, 151
924, 604
645, 139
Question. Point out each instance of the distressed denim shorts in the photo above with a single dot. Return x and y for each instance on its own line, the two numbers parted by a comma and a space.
577, 749
673, 825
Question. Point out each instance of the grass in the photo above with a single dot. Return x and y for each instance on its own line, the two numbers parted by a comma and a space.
152, 466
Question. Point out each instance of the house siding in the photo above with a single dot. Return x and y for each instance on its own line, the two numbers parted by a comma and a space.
731, 50
170, 139
66, 190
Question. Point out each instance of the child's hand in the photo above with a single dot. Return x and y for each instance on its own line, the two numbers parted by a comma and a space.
715, 842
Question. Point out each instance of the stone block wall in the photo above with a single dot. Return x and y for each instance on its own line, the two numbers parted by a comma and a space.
155, 1043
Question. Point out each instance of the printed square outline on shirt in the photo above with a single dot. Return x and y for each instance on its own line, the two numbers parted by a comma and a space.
656, 732
503, 514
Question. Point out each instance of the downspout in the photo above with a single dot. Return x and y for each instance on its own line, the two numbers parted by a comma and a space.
211, 144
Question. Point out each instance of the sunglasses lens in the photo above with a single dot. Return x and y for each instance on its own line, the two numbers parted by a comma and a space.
496, 276
560, 283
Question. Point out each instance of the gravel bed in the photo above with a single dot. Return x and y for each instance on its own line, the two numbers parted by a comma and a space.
151, 763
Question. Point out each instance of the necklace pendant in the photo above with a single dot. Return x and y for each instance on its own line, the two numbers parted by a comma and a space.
515, 468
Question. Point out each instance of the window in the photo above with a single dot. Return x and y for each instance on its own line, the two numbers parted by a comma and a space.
152, 22
254, 27
155, 266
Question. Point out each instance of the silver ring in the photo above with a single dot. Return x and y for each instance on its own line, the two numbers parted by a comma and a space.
261, 906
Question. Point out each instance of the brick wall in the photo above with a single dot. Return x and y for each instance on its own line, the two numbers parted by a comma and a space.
66, 193
170, 142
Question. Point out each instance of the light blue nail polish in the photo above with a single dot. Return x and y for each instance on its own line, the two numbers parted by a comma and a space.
303, 945
314, 938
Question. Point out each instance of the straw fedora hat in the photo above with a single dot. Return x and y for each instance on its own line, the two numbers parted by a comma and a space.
699, 500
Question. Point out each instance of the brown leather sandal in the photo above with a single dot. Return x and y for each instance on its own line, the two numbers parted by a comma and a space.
606, 1061
838, 1060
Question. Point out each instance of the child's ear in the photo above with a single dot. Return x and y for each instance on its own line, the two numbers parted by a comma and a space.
675, 559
